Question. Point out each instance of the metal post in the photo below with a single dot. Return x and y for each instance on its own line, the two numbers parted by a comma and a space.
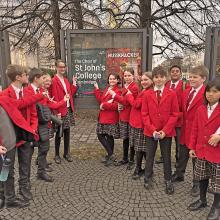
5, 58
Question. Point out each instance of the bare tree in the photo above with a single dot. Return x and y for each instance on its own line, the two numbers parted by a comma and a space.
34, 20
177, 24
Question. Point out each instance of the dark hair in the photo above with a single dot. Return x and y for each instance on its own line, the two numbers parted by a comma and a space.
58, 61
130, 70
159, 70
34, 73
175, 66
116, 77
14, 70
214, 83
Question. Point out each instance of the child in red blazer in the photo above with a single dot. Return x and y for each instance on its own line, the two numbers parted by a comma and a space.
10, 137
192, 98
59, 88
107, 127
124, 115
160, 112
137, 139
18, 76
205, 146
178, 85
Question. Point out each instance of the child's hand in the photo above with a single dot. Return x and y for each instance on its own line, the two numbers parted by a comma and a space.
3, 150
215, 138
156, 135
66, 97
101, 106
110, 101
96, 85
192, 154
74, 80
111, 92
162, 134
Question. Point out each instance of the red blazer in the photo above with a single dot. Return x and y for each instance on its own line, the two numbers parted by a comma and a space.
161, 116
203, 127
110, 113
135, 119
124, 115
11, 106
57, 91
188, 116
179, 91
30, 111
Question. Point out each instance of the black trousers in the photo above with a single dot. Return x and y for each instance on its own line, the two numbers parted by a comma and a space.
107, 142
182, 162
7, 188
25, 153
165, 146
43, 148
177, 140
66, 140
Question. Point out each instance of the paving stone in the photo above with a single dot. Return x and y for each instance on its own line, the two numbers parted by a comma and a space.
85, 189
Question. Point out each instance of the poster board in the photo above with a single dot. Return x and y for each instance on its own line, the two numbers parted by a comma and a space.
93, 54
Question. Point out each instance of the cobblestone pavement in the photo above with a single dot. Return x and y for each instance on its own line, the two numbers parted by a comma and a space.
85, 189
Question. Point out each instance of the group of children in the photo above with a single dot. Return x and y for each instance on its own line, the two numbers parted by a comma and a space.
28, 107
142, 115
159, 111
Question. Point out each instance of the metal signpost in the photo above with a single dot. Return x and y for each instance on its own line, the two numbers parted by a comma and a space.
92, 54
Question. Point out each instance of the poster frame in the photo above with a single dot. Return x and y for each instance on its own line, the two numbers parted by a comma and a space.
146, 49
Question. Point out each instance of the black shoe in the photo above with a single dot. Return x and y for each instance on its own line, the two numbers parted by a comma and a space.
68, 158
2, 203
176, 178
159, 161
137, 174
17, 203
104, 159
147, 183
214, 213
121, 162
26, 193
169, 187
45, 177
57, 159
110, 161
49, 163
195, 191
197, 205
48, 169
130, 165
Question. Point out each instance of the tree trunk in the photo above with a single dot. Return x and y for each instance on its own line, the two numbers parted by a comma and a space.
78, 14
145, 13
56, 27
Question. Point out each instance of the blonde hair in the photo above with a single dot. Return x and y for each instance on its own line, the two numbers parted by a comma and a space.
148, 74
14, 70
200, 70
